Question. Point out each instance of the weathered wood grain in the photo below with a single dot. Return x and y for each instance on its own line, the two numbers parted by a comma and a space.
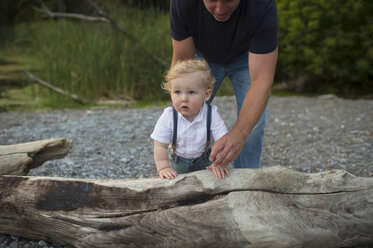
272, 207
20, 158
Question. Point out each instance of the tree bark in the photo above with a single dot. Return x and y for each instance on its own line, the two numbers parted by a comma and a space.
20, 158
271, 207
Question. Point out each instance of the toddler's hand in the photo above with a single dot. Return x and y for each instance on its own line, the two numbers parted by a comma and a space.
219, 171
168, 173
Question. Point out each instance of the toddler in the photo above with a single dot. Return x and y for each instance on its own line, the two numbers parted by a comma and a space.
185, 132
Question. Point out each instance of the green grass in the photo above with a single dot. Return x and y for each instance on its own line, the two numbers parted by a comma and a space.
93, 60
20, 99
12, 63
146, 104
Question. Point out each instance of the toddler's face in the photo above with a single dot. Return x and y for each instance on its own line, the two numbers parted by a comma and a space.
188, 94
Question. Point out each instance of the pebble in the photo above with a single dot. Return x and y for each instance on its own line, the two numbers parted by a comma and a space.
303, 133
42, 243
14, 244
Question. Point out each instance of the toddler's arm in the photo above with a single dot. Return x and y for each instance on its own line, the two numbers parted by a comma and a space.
161, 161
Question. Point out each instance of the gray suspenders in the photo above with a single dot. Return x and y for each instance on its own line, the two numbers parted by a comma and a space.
174, 136
208, 125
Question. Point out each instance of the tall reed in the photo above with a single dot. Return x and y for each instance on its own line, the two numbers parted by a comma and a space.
94, 60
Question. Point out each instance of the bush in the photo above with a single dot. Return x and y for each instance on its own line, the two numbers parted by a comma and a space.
330, 42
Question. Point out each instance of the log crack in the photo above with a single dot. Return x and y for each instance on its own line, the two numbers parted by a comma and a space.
207, 198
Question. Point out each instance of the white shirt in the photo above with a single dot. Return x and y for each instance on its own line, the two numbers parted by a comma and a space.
191, 136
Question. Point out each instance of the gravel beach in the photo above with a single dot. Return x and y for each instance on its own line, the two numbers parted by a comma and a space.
308, 134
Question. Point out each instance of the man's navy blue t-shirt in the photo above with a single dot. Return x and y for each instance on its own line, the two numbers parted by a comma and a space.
251, 27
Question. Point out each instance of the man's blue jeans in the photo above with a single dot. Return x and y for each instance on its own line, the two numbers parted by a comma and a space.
238, 73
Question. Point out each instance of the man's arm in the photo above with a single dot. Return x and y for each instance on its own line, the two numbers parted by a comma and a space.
182, 50
262, 70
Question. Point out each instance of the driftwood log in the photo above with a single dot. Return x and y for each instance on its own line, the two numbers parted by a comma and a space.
271, 207
19, 159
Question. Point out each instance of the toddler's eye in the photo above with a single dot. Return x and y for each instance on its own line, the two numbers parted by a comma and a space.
192, 92
177, 92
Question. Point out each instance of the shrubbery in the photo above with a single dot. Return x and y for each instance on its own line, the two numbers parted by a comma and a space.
328, 42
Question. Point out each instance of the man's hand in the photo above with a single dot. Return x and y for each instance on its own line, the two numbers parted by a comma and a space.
167, 173
227, 149
219, 171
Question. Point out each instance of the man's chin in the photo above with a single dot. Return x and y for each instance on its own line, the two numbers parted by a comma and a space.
222, 18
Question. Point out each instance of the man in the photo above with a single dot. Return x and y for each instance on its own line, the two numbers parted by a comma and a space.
238, 38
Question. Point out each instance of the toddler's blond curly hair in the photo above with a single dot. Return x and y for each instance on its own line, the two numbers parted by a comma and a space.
188, 66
